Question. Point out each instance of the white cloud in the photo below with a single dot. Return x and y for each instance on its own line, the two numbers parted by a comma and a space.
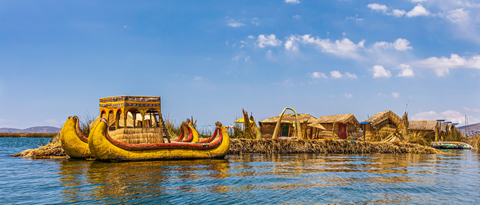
270, 40
296, 17
406, 71
247, 58
354, 18
348, 95
288, 83
251, 37
336, 74
471, 109
398, 13
197, 78
443, 65
236, 58
350, 75
292, 1
343, 48
318, 75
400, 44
449, 115
418, 1
234, 24
380, 72
255, 21
395, 95
378, 7
418, 10
457, 15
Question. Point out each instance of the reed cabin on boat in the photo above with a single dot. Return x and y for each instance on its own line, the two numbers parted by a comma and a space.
133, 119
131, 111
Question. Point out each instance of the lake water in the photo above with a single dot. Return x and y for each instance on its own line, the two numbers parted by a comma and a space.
242, 179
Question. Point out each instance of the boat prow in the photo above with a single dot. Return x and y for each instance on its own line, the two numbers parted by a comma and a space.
104, 147
72, 139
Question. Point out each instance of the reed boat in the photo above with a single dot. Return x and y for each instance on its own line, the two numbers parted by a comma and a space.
72, 139
107, 148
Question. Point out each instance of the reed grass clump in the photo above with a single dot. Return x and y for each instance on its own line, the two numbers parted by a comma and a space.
52, 149
282, 146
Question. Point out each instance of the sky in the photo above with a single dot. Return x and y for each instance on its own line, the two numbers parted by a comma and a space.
211, 59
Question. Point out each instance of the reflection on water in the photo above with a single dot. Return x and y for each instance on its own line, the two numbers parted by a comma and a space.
248, 178
301, 178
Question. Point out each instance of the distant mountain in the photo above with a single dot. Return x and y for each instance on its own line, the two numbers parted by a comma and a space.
39, 129
472, 129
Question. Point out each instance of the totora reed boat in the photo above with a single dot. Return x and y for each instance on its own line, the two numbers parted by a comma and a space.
105, 147
73, 142
131, 128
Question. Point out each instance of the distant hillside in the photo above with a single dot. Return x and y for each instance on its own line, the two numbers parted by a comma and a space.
39, 129
472, 129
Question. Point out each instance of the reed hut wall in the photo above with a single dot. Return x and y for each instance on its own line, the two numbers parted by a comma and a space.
328, 122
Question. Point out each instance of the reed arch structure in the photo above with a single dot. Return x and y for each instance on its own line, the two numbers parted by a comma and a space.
298, 130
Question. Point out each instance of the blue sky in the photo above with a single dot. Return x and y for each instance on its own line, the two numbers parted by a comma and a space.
210, 59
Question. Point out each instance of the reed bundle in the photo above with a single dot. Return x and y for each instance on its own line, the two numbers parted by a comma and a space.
52, 149
138, 135
281, 146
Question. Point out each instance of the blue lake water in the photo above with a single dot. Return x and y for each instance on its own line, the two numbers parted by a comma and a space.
242, 179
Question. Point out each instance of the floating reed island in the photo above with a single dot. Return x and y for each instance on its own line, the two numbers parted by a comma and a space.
288, 146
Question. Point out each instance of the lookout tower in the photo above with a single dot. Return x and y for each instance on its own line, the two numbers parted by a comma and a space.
131, 111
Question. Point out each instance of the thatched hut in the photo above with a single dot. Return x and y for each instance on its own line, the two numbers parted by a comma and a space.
382, 123
267, 126
338, 126
424, 127
429, 128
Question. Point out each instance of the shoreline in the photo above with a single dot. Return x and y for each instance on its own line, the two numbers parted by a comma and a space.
28, 135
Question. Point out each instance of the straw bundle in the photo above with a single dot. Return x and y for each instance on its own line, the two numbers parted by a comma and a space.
280, 146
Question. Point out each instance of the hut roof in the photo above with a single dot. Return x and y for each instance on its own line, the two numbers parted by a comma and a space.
290, 118
345, 118
422, 125
316, 125
383, 116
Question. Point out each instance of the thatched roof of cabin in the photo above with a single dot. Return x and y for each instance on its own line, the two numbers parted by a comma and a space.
316, 125
290, 118
345, 118
422, 125
383, 116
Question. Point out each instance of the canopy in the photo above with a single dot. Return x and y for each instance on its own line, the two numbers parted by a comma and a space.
241, 120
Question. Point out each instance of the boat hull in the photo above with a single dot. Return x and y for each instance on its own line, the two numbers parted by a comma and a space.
73, 143
105, 148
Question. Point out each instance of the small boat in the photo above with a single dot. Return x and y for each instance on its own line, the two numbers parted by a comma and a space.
106, 148
450, 145
72, 139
